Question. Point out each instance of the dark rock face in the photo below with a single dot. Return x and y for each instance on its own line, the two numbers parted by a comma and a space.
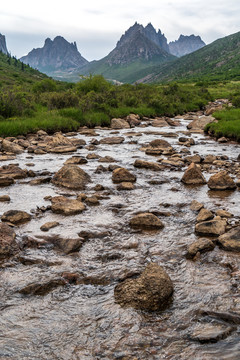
139, 42
151, 291
185, 45
57, 54
3, 46
8, 244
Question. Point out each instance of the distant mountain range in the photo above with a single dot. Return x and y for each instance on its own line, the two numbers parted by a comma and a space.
141, 55
139, 48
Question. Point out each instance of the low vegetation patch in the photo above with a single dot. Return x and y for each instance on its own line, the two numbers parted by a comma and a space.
228, 124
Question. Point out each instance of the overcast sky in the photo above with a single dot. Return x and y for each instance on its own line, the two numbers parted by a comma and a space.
96, 26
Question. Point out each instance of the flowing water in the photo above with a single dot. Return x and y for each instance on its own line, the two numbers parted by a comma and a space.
82, 321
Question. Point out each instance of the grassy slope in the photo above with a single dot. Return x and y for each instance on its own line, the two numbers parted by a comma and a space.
217, 61
12, 72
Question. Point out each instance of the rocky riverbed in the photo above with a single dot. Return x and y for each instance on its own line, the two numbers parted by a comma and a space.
120, 243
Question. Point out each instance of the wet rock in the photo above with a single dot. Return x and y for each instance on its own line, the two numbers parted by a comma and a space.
7, 157
151, 291
72, 177
85, 234
210, 332
92, 201
230, 317
201, 245
13, 171
6, 181
69, 246
224, 213
122, 175
159, 122
211, 227
222, 140
126, 186
221, 181
38, 151
8, 245
63, 149
146, 221
92, 156
196, 206
133, 120
193, 159
193, 175
209, 159
230, 241
40, 181
99, 187
112, 140
4, 198
200, 123
42, 288
158, 146
147, 165
65, 206
79, 143
11, 147
119, 124
107, 159
204, 215
172, 162
49, 225
16, 217
100, 169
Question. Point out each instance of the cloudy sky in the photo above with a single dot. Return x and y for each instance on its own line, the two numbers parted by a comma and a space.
96, 26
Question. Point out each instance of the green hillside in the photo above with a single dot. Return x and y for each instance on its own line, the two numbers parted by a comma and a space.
14, 72
219, 60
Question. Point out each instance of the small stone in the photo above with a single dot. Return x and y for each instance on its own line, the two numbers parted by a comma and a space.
147, 165
49, 225
221, 181
201, 245
122, 175
4, 198
211, 332
126, 186
92, 201
212, 227
204, 215
146, 221
193, 175
230, 241
224, 213
16, 217
65, 206
196, 206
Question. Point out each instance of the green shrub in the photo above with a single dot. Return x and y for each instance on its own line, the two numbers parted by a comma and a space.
16, 103
62, 100
46, 85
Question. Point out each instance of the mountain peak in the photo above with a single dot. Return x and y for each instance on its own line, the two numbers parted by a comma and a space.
3, 46
56, 55
186, 44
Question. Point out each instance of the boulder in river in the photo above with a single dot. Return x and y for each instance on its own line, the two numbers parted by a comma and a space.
158, 146
16, 217
146, 221
65, 206
221, 181
122, 175
210, 332
230, 241
151, 291
11, 147
72, 177
147, 165
119, 124
204, 215
12, 171
112, 140
8, 244
193, 175
200, 245
211, 227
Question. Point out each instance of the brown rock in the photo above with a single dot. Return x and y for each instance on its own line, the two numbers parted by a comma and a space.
147, 165
112, 140
158, 122
151, 291
122, 175
11, 147
49, 225
157, 147
72, 177
230, 241
12, 171
92, 201
126, 186
6, 181
76, 160
221, 181
201, 245
193, 175
119, 124
8, 245
107, 159
65, 206
204, 215
196, 206
210, 333
224, 213
16, 217
63, 149
211, 227
146, 221
4, 198
43, 287
200, 123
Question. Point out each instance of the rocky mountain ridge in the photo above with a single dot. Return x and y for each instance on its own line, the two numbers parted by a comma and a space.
3, 46
185, 45
55, 55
